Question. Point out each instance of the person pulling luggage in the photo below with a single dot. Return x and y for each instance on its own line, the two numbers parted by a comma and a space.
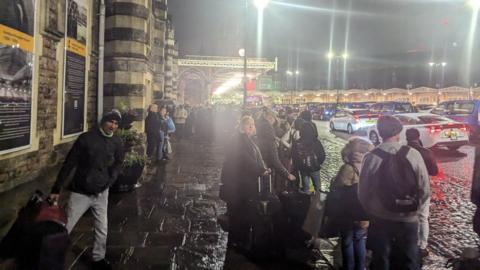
241, 169
97, 156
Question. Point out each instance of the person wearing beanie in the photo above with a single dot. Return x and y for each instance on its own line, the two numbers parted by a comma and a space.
413, 140
97, 157
392, 234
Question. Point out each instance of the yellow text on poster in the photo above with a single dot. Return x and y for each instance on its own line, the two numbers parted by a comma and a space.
12, 37
76, 47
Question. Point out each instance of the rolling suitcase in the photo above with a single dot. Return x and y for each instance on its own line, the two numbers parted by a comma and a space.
38, 239
265, 220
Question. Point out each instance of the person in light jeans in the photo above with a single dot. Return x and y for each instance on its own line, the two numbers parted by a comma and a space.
97, 158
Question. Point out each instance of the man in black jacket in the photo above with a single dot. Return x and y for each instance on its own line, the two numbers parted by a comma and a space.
413, 140
97, 156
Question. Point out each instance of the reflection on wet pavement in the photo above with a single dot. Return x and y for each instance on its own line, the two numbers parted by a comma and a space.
167, 223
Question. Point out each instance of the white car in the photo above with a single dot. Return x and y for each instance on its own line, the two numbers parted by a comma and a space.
435, 130
351, 120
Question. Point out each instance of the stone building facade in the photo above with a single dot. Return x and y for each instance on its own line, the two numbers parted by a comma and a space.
136, 46
171, 62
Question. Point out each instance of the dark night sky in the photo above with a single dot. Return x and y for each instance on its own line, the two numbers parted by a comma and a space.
378, 28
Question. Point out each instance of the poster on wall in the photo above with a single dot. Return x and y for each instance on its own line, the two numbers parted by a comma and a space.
16, 62
75, 67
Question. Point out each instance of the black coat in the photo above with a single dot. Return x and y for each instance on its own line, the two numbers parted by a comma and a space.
428, 158
241, 169
269, 147
152, 125
98, 162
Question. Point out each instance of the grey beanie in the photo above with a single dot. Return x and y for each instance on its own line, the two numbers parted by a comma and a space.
388, 126
111, 115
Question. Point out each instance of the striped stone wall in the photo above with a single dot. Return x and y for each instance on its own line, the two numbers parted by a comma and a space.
134, 53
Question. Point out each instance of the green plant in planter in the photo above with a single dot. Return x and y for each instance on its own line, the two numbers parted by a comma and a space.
134, 158
130, 137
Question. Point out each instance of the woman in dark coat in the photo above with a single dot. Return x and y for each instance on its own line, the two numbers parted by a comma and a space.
240, 171
152, 129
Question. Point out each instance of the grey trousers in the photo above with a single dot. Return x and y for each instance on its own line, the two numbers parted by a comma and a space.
78, 204
423, 225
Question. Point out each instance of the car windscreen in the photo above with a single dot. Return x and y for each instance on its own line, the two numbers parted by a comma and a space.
432, 119
425, 107
403, 108
461, 107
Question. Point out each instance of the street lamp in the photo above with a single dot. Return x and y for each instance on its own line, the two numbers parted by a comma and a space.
295, 73
433, 73
475, 4
331, 55
260, 5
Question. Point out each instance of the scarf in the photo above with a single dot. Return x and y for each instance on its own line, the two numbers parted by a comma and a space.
104, 134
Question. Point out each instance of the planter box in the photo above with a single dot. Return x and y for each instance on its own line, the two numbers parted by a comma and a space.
127, 179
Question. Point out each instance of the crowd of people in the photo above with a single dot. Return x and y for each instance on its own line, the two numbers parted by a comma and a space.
378, 200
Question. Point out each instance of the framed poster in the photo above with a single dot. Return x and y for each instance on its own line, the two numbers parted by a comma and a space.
17, 18
74, 68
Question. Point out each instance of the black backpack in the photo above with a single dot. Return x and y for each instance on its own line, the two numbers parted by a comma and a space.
398, 185
308, 160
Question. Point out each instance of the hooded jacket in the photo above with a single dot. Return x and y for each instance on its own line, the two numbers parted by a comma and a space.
268, 147
97, 160
308, 138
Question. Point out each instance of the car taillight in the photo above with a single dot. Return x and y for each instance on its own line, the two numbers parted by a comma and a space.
434, 129
464, 128
356, 118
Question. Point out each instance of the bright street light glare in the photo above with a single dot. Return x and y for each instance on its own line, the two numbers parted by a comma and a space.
297, 72
431, 64
261, 4
475, 4
330, 55
241, 52
345, 55
289, 72
444, 64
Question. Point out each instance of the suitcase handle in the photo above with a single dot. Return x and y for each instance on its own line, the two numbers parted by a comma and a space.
260, 180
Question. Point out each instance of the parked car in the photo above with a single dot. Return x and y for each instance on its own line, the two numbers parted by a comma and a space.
424, 108
463, 111
435, 130
391, 108
352, 120
324, 111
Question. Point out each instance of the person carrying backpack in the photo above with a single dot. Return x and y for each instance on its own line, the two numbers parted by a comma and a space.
393, 188
308, 155
413, 140
345, 210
